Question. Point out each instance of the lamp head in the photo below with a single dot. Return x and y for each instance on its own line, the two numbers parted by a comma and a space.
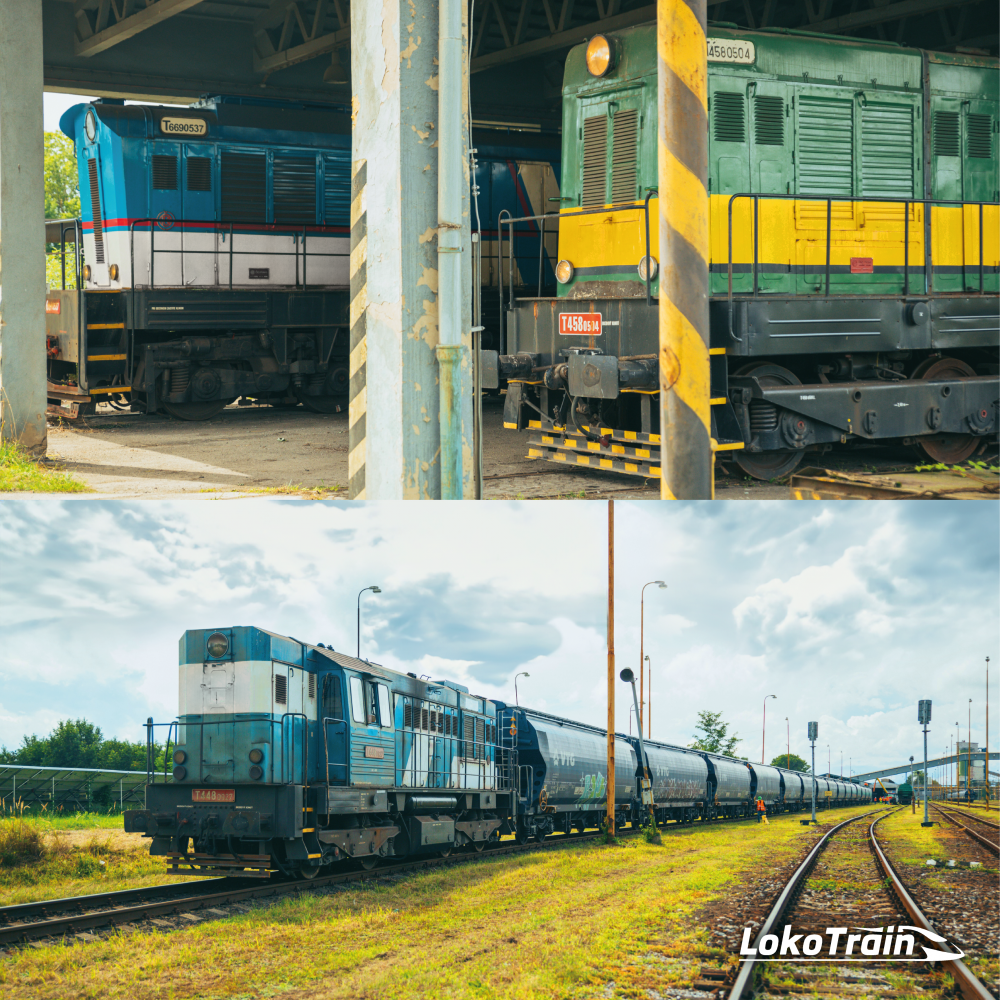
646, 657
660, 584
627, 676
375, 590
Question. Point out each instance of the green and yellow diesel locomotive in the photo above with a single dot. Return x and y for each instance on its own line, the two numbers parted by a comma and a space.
853, 189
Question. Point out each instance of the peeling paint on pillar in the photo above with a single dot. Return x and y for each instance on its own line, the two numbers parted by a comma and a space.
22, 233
395, 108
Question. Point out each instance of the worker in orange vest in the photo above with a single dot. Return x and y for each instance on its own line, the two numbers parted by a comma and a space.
761, 811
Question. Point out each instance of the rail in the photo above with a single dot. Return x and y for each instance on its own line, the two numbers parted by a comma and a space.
854, 199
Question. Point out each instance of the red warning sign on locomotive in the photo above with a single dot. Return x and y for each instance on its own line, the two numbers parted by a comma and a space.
862, 265
580, 324
213, 794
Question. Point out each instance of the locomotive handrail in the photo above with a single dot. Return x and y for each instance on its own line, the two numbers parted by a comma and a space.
649, 270
829, 199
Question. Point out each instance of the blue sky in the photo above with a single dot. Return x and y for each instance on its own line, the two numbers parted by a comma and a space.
847, 612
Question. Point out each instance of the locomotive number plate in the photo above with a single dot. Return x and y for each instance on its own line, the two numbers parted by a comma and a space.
580, 324
731, 50
213, 794
377, 752
862, 265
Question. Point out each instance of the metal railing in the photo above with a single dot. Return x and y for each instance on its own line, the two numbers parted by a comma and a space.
226, 229
68, 225
286, 741
854, 199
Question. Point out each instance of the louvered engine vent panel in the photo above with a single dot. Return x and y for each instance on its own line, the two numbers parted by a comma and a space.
624, 147
980, 136
407, 716
946, 133
164, 173
595, 161
199, 173
470, 736
337, 189
95, 205
244, 187
423, 720
768, 121
295, 190
312, 685
280, 689
887, 151
480, 737
729, 117
826, 146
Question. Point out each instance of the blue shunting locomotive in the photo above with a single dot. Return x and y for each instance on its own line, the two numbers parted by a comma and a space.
287, 757
215, 253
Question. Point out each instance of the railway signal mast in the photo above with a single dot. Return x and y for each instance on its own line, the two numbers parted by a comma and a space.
924, 718
813, 736
646, 785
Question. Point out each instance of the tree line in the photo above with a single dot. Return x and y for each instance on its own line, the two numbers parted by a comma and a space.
78, 743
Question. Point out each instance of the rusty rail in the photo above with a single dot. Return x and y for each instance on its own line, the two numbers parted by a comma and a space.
970, 987
990, 845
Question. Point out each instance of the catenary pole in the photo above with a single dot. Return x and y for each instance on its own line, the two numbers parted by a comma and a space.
611, 669
924, 718
685, 411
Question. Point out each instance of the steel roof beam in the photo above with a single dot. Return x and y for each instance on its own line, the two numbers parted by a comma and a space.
129, 19
562, 39
269, 57
881, 14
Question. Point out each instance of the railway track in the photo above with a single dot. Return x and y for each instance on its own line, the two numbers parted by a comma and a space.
847, 880
981, 830
74, 915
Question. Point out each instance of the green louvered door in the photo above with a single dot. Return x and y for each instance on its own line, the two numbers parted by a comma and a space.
729, 174
825, 158
889, 167
770, 136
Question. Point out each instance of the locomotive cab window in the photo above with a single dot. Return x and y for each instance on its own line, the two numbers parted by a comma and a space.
357, 699
384, 706
333, 702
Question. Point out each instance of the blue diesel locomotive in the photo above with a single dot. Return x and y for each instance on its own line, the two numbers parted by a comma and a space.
287, 757
212, 253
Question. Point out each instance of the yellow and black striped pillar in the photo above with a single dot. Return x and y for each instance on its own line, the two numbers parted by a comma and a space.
357, 409
685, 410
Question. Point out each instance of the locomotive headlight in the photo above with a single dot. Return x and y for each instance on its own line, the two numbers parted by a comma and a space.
86, 272
218, 645
180, 756
256, 756
256, 772
180, 773
600, 55
113, 271
648, 264
564, 272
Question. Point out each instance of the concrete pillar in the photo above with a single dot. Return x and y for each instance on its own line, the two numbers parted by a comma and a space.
22, 226
395, 419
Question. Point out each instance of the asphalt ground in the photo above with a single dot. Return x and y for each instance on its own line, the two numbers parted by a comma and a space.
250, 448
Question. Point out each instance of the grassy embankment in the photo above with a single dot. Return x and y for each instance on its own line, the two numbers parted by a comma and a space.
19, 473
546, 924
73, 855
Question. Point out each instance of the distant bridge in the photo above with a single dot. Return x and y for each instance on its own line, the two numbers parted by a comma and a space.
976, 755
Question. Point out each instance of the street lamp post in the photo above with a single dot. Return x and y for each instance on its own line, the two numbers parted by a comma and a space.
986, 758
788, 746
523, 673
649, 681
374, 590
958, 764
763, 725
913, 798
924, 718
642, 661
829, 766
646, 789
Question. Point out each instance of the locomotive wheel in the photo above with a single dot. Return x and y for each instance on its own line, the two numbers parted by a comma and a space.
478, 845
769, 464
948, 449
369, 862
306, 873
196, 411
334, 398
521, 837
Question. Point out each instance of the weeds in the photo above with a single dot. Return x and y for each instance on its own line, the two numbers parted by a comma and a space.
20, 842
20, 473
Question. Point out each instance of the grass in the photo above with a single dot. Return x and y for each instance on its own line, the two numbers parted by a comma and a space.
546, 924
21, 473
49, 857
320, 492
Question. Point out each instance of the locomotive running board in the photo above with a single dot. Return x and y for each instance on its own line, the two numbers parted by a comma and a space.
214, 865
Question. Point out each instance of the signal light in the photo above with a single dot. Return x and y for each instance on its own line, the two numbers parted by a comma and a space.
600, 55
256, 756
113, 271
180, 773
256, 772
564, 272
180, 756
